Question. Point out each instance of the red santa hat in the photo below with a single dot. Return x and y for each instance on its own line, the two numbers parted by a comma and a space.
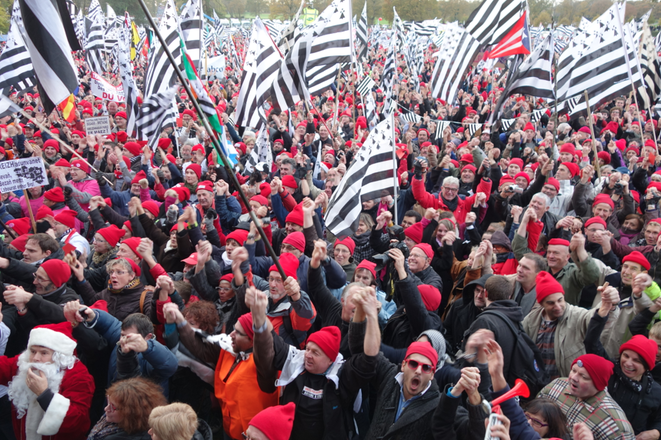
58, 337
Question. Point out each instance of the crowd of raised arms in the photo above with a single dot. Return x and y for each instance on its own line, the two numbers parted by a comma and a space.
143, 299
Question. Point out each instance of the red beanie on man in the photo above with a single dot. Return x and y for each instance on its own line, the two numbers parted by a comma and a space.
431, 297
637, 257
328, 339
133, 244
246, 322
296, 239
295, 216
414, 232
645, 347
348, 242
425, 349
112, 234
546, 285
67, 218
275, 422
55, 195
58, 271
599, 369
289, 265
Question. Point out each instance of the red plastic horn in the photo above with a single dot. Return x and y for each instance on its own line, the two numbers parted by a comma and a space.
520, 389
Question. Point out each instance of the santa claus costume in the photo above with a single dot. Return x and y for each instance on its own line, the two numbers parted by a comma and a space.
61, 412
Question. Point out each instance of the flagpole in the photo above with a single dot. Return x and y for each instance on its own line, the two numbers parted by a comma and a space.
594, 140
214, 139
626, 55
394, 166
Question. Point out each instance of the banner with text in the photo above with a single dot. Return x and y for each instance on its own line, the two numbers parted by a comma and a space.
22, 174
104, 90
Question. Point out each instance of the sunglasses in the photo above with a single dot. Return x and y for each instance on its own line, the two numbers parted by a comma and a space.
413, 365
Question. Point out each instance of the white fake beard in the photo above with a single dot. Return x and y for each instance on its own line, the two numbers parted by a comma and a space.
18, 391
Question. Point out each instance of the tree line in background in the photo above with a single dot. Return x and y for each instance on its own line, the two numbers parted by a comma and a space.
541, 11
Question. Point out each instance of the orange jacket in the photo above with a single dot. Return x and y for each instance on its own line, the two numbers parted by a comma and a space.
239, 394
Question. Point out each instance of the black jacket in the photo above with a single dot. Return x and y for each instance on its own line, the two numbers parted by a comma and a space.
461, 315
502, 333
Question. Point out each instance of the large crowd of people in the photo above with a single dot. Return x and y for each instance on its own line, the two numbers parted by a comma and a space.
142, 300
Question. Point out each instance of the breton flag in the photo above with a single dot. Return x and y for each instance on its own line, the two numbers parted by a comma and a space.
260, 69
261, 153
47, 37
125, 50
155, 108
160, 73
15, 65
365, 86
493, 19
532, 77
455, 57
441, 125
370, 176
191, 30
517, 41
361, 33
651, 68
291, 33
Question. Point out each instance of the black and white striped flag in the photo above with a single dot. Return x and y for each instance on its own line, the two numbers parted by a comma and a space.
261, 153
571, 103
7, 106
331, 46
536, 115
370, 110
531, 77
361, 33
291, 33
260, 69
390, 65
411, 117
370, 176
130, 89
440, 128
507, 123
473, 128
160, 73
398, 29
651, 68
191, 30
95, 12
156, 109
454, 59
493, 19
47, 41
15, 65
365, 86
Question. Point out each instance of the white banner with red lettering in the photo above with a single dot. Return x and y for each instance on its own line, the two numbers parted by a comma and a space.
104, 90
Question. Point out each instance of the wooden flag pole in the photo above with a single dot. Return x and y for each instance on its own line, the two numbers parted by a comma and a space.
594, 139
214, 139
32, 221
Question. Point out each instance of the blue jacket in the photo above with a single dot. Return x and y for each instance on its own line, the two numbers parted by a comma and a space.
157, 362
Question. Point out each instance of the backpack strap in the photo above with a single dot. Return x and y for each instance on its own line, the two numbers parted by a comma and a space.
143, 295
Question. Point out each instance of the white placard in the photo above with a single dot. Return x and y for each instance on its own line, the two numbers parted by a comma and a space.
216, 67
104, 90
22, 174
98, 125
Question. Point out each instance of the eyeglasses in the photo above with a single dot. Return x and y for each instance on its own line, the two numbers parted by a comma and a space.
287, 248
38, 278
450, 189
111, 408
413, 365
275, 280
117, 272
536, 422
416, 256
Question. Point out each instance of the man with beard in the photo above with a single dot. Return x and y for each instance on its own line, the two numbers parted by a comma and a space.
50, 389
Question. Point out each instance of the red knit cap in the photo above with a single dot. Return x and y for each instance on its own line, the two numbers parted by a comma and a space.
127, 223
204, 186
637, 257
367, 264
58, 271
646, 349
468, 158
67, 218
51, 143
151, 206
517, 161
133, 244
567, 148
43, 212
328, 339
295, 216
81, 165
524, 175
594, 220
20, 225
183, 193
196, 169
506, 180
289, 265
296, 239
246, 322
20, 242
572, 167
425, 349
553, 181
55, 195
133, 147
426, 248
414, 232
469, 167
547, 285
275, 422
138, 177
260, 199
239, 235
431, 297
558, 242
289, 182
62, 163
599, 369
227, 277
605, 156
112, 234
348, 242
134, 266
603, 198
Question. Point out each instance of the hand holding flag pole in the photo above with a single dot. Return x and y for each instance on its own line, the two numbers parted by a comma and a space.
214, 139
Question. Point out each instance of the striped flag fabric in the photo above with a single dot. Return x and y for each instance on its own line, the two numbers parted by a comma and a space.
7, 106
370, 176
126, 74
536, 115
95, 45
517, 41
155, 111
365, 86
260, 69
261, 153
455, 57
331, 46
390, 65
160, 73
531, 77
651, 68
47, 42
493, 19
507, 123
191, 30
473, 128
291, 33
398, 28
440, 128
361, 33
370, 111
15, 64
411, 117
95, 12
